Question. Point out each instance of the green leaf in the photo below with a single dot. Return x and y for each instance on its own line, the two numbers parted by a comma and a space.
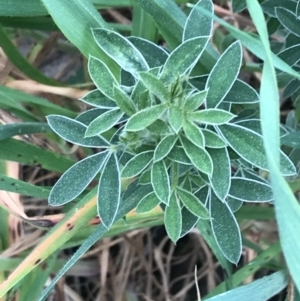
147, 203
109, 191
144, 118
193, 133
211, 116
225, 229
192, 203
155, 86
291, 139
192, 28
183, 58
23, 188
249, 145
173, 219
16, 129
248, 190
123, 52
212, 139
175, 118
124, 101
223, 75
160, 181
74, 131
178, 154
159, 127
88, 116
234, 204
194, 101
198, 156
288, 19
241, 92
103, 79
73, 182
145, 177
154, 55
137, 164
164, 147
97, 99
290, 55
269, 6
189, 220
221, 176
103, 123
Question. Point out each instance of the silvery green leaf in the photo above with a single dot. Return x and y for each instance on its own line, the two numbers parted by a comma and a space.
145, 177
97, 99
269, 6
74, 131
137, 164
203, 194
154, 55
175, 118
234, 204
225, 229
198, 156
123, 52
189, 220
192, 203
290, 55
173, 219
155, 86
102, 77
159, 127
103, 122
109, 191
147, 203
211, 116
221, 176
192, 28
194, 101
249, 145
124, 101
160, 181
183, 58
73, 182
144, 118
178, 154
212, 139
289, 20
88, 116
164, 147
241, 92
248, 190
193, 133
223, 75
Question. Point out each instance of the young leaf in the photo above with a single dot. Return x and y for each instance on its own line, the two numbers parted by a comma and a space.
225, 229
101, 76
103, 123
192, 28
241, 92
221, 176
137, 164
189, 220
74, 131
155, 86
164, 147
124, 101
153, 54
212, 139
193, 133
109, 191
198, 156
73, 182
223, 75
211, 116
192, 203
175, 118
249, 145
194, 101
178, 154
173, 219
120, 50
147, 203
183, 58
97, 99
248, 190
160, 181
144, 118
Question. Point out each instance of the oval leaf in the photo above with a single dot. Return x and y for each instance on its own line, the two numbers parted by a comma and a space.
212, 139
147, 203
124, 101
164, 147
178, 154
193, 133
175, 118
160, 181
97, 99
109, 191
74, 131
211, 116
73, 182
189, 220
194, 101
289, 20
